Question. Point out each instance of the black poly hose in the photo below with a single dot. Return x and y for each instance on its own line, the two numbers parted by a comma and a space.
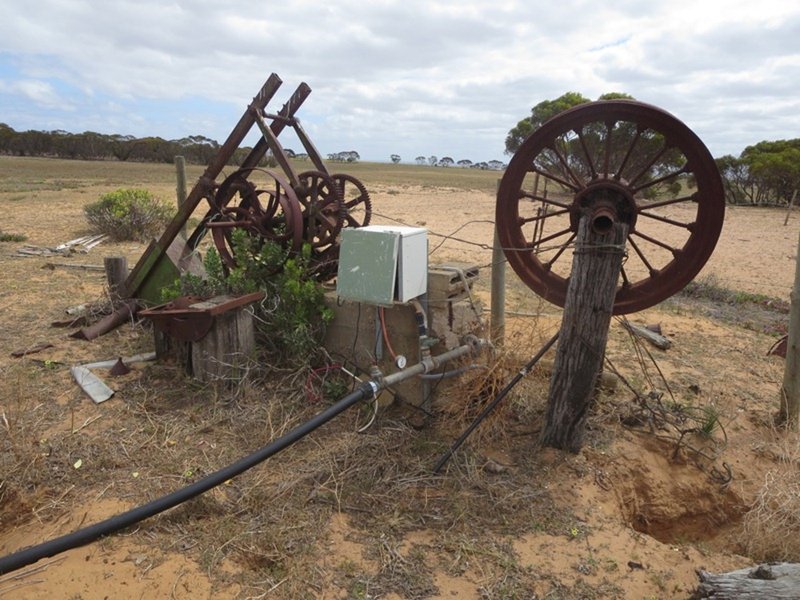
89, 534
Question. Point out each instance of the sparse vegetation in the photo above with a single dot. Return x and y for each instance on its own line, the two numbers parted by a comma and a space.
128, 214
710, 288
12, 237
772, 525
290, 320
757, 312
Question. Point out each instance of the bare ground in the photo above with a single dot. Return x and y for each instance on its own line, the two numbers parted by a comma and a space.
346, 515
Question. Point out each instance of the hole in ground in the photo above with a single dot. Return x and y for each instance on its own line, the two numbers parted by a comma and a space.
686, 508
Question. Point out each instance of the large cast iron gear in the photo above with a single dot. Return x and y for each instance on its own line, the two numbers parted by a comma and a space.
271, 211
356, 200
656, 173
322, 208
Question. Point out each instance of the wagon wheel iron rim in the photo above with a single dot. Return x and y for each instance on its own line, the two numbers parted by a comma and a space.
355, 198
271, 212
654, 168
322, 208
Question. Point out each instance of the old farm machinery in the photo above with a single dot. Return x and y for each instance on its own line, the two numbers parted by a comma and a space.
282, 205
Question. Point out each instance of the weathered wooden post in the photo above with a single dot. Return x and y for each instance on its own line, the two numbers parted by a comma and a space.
180, 188
599, 248
116, 273
790, 390
789, 209
498, 314
498, 290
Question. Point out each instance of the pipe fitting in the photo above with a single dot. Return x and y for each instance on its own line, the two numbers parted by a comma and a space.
603, 219
375, 374
475, 343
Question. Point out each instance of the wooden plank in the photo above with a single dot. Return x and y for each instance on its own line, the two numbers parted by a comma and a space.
116, 268
659, 341
224, 354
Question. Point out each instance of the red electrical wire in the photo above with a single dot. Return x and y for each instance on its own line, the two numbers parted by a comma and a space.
385, 333
310, 389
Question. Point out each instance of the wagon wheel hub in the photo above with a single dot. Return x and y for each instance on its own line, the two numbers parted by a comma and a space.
604, 199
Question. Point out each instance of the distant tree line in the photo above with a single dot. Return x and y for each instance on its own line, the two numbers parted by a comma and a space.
447, 161
195, 149
90, 145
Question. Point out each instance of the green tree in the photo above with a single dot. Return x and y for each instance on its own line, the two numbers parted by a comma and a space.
539, 114
738, 182
775, 168
547, 109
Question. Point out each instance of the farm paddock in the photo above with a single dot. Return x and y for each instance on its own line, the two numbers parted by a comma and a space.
348, 515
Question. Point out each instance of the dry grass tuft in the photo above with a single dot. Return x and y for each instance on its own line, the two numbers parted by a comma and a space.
479, 388
28, 480
772, 526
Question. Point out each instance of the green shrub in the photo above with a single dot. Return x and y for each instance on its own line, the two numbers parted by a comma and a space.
12, 237
292, 327
128, 214
291, 319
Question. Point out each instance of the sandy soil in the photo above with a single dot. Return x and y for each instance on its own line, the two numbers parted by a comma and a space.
645, 517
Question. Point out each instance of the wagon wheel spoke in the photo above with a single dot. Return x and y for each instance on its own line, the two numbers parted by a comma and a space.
558, 234
590, 160
629, 152
549, 264
544, 199
552, 177
525, 220
642, 257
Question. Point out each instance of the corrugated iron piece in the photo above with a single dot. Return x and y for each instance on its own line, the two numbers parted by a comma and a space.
90, 383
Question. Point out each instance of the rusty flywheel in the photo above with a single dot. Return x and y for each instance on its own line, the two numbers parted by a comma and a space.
657, 173
269, 210
307, 208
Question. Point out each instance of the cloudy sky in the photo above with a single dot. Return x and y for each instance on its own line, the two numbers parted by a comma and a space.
411, 77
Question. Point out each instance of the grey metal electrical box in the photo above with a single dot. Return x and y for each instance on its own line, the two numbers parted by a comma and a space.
383, 264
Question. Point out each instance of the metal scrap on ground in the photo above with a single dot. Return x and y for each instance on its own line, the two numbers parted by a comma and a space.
95, 387
78, 245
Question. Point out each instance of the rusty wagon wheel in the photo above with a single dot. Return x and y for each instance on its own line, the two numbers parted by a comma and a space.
321, 204
655, 171
355, 198
271, 211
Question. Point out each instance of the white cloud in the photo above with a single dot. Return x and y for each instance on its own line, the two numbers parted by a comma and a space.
414, 76
40, 93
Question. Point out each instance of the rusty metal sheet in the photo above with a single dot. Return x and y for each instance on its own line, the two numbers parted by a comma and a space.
190, 318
